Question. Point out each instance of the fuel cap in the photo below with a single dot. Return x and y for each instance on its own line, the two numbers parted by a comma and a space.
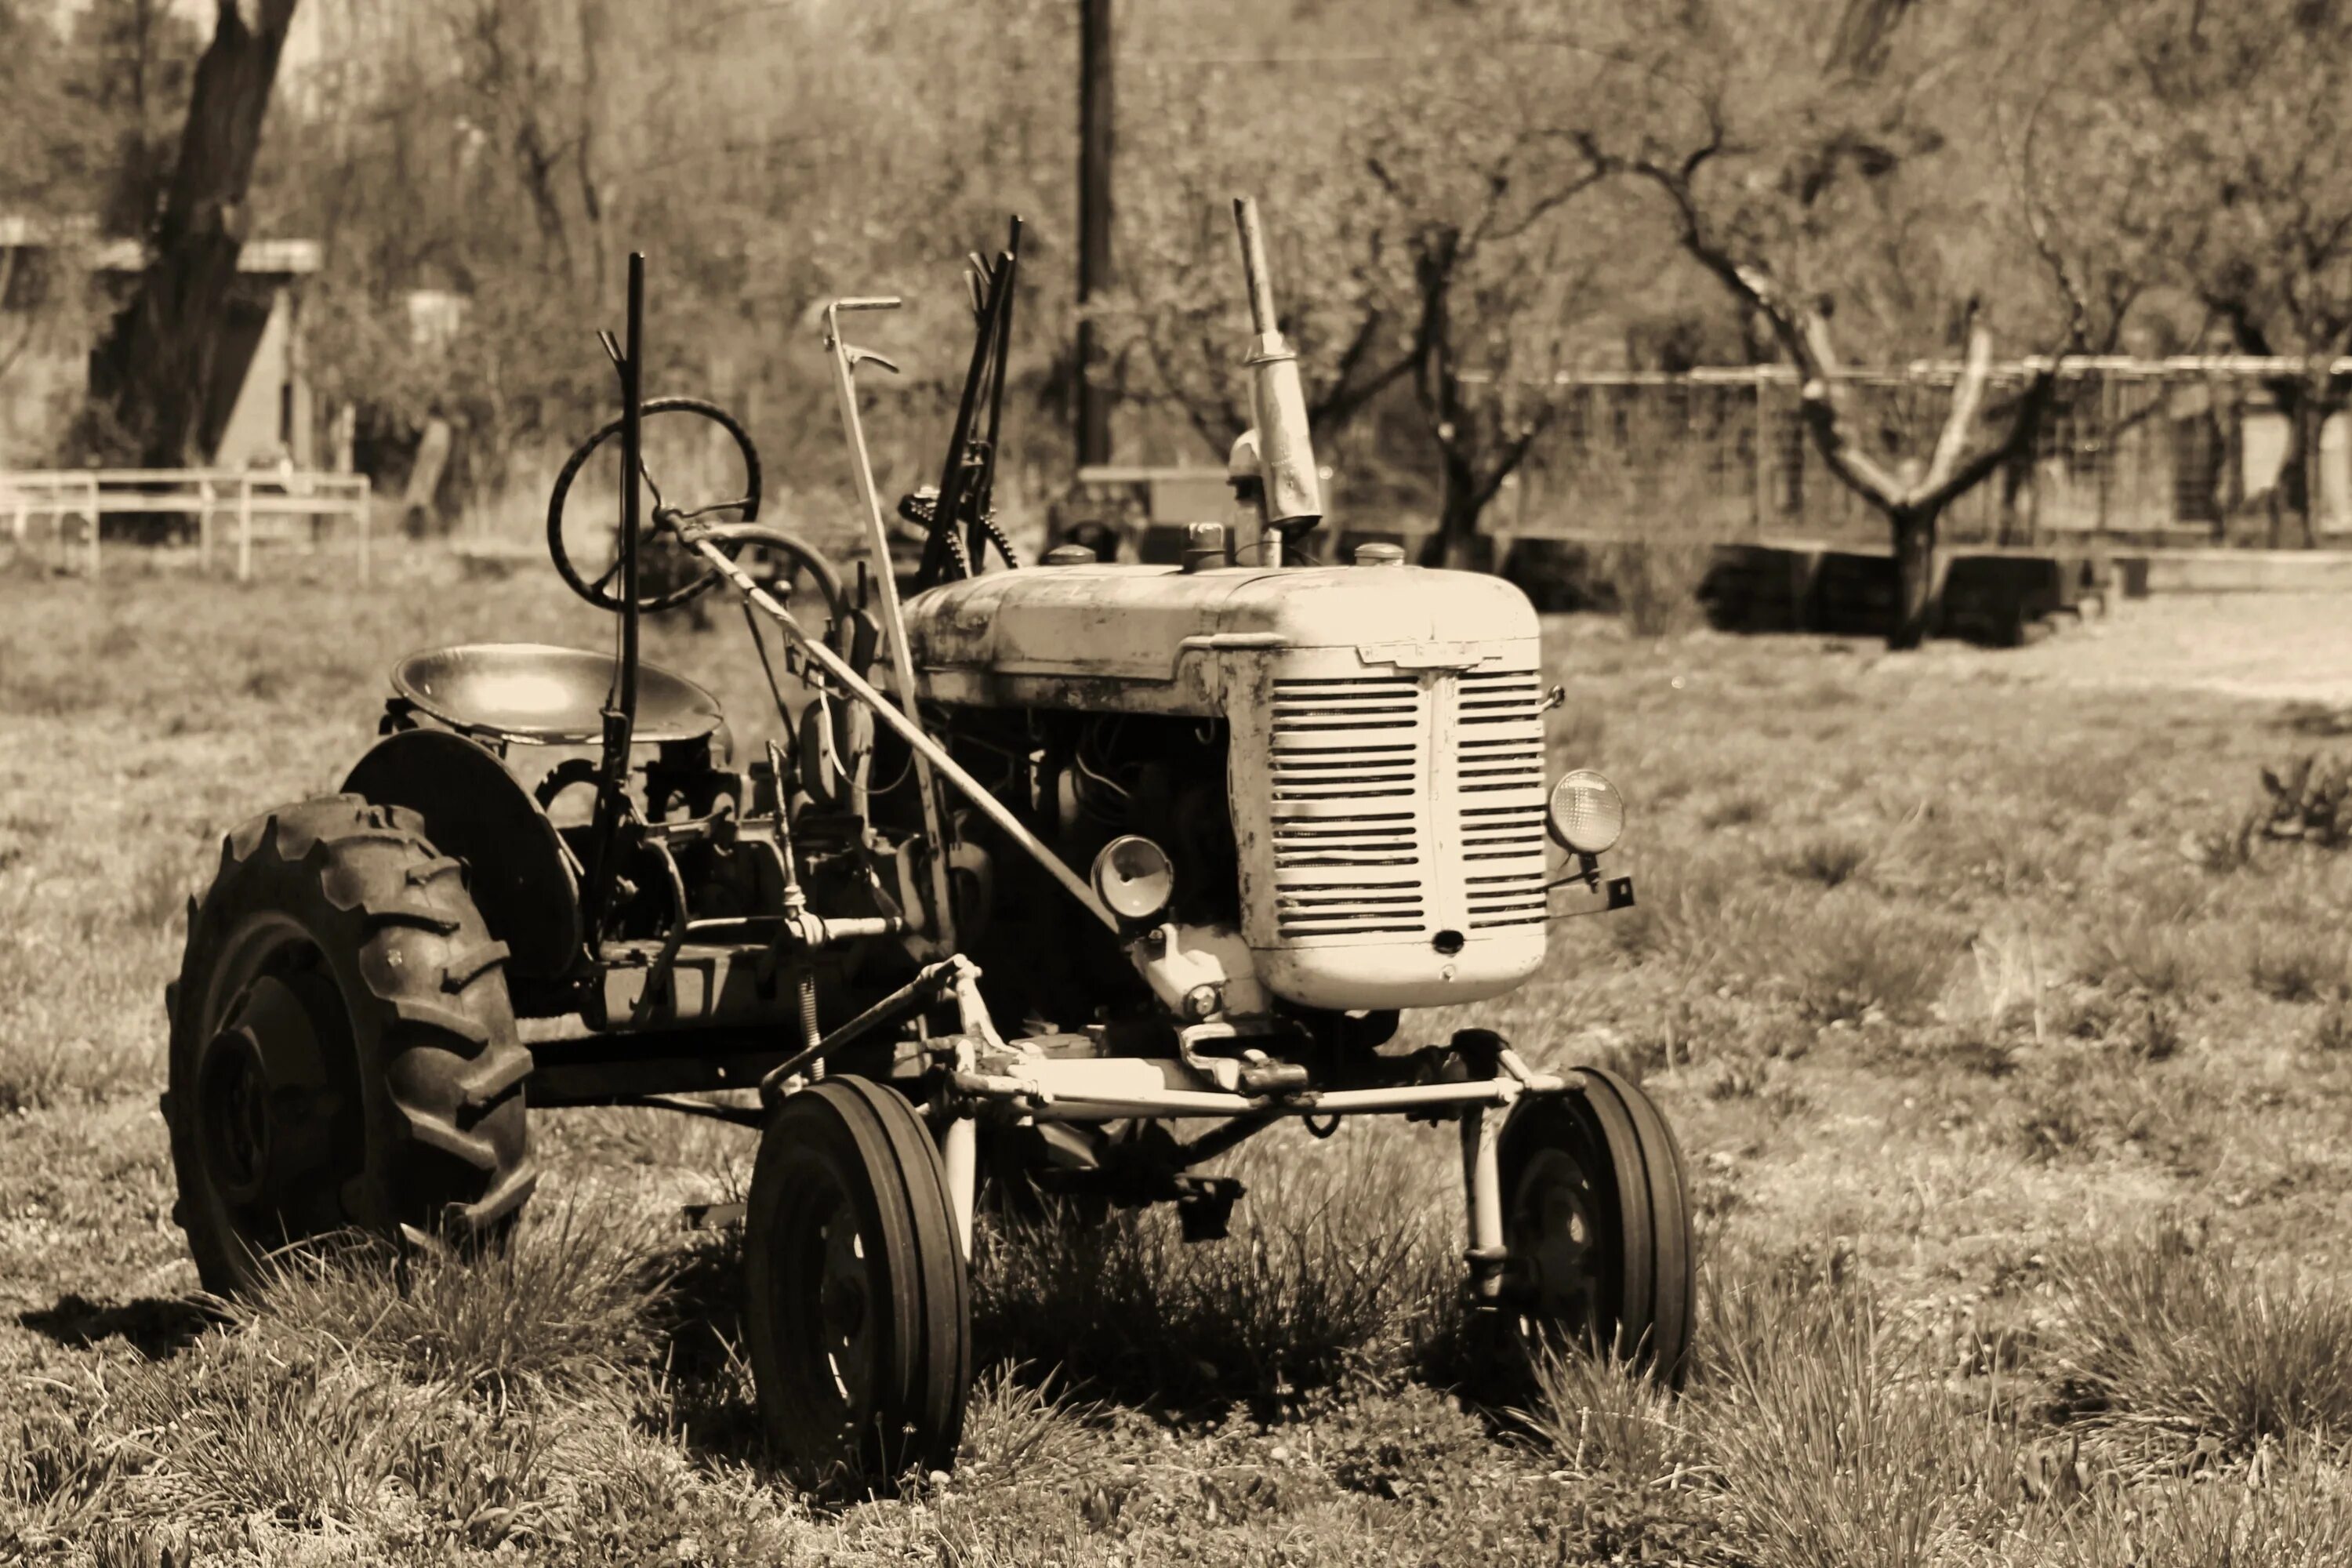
1378, 554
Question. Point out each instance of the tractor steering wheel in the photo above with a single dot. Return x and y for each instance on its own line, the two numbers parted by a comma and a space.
599, 590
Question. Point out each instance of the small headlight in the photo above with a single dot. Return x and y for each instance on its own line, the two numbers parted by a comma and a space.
1586, 812
1133, 878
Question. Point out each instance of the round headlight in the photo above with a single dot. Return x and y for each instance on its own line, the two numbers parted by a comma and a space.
1586, 813
1133, 878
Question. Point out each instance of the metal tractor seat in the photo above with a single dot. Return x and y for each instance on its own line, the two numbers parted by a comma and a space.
540, 694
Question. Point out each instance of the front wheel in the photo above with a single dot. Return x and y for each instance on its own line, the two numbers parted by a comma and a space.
1597, 1224
856, 1308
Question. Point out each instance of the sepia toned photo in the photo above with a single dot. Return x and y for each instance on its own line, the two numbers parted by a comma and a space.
1132, 781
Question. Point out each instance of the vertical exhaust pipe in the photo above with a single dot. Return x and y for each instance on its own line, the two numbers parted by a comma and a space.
1291, 495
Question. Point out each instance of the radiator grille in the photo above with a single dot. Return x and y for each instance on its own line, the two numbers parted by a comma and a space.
1349, 770
1498, 776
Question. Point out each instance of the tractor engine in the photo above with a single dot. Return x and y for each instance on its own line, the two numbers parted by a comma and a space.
1344, 766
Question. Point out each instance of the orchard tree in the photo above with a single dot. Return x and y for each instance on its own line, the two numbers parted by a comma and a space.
1497, 277
156, 366
2200, 148
1817, 160
1177, 328
1420, 240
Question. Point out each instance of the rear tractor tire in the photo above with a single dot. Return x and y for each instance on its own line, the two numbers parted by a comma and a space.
343, 1055
1597, 1224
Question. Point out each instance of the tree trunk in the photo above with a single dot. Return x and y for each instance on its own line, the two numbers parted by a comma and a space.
1915, 576
2294, 470
2310, 427
155, 366
1454, 545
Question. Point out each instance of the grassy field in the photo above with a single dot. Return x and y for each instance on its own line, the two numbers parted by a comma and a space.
2014, 1080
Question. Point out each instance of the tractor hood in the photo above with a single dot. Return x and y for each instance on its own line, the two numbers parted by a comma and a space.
1154, 639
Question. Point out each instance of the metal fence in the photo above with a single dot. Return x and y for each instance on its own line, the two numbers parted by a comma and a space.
2170, 452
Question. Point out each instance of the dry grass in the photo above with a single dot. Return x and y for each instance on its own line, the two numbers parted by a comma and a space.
1938, 1000
1335, 1266
565, 1307
2184, 1336
1829, 1434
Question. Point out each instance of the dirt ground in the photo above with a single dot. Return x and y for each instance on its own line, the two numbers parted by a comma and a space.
2267, 647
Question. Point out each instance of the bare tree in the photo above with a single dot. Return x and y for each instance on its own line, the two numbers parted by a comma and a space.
2201, 151
1794, 174
1175, 326
1421, 248
1497, 280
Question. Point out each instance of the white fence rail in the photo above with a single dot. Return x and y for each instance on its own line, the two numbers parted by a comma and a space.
262, 506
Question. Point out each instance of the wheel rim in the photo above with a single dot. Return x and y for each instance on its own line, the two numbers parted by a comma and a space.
826, 1285
257, 1080
235, 1131
1554, 1242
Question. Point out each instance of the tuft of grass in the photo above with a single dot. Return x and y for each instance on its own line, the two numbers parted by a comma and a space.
55, 1473
559, 1309
2167, 1333
1856, 957
2298, 963
1699, 917
1607, 1419
2228, 845
1342, 1272
2153, 946
1831, 858
2086, 1104
2332, 1032
1831, 1440
2290, 1509
1741, 808
1014, 1427
238, 1424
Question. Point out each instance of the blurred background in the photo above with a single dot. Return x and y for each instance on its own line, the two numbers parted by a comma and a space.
1519, 245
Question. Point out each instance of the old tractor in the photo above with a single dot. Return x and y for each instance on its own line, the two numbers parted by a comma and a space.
1063, 878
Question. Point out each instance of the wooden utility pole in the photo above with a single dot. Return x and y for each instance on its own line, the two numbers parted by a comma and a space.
1094, 123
